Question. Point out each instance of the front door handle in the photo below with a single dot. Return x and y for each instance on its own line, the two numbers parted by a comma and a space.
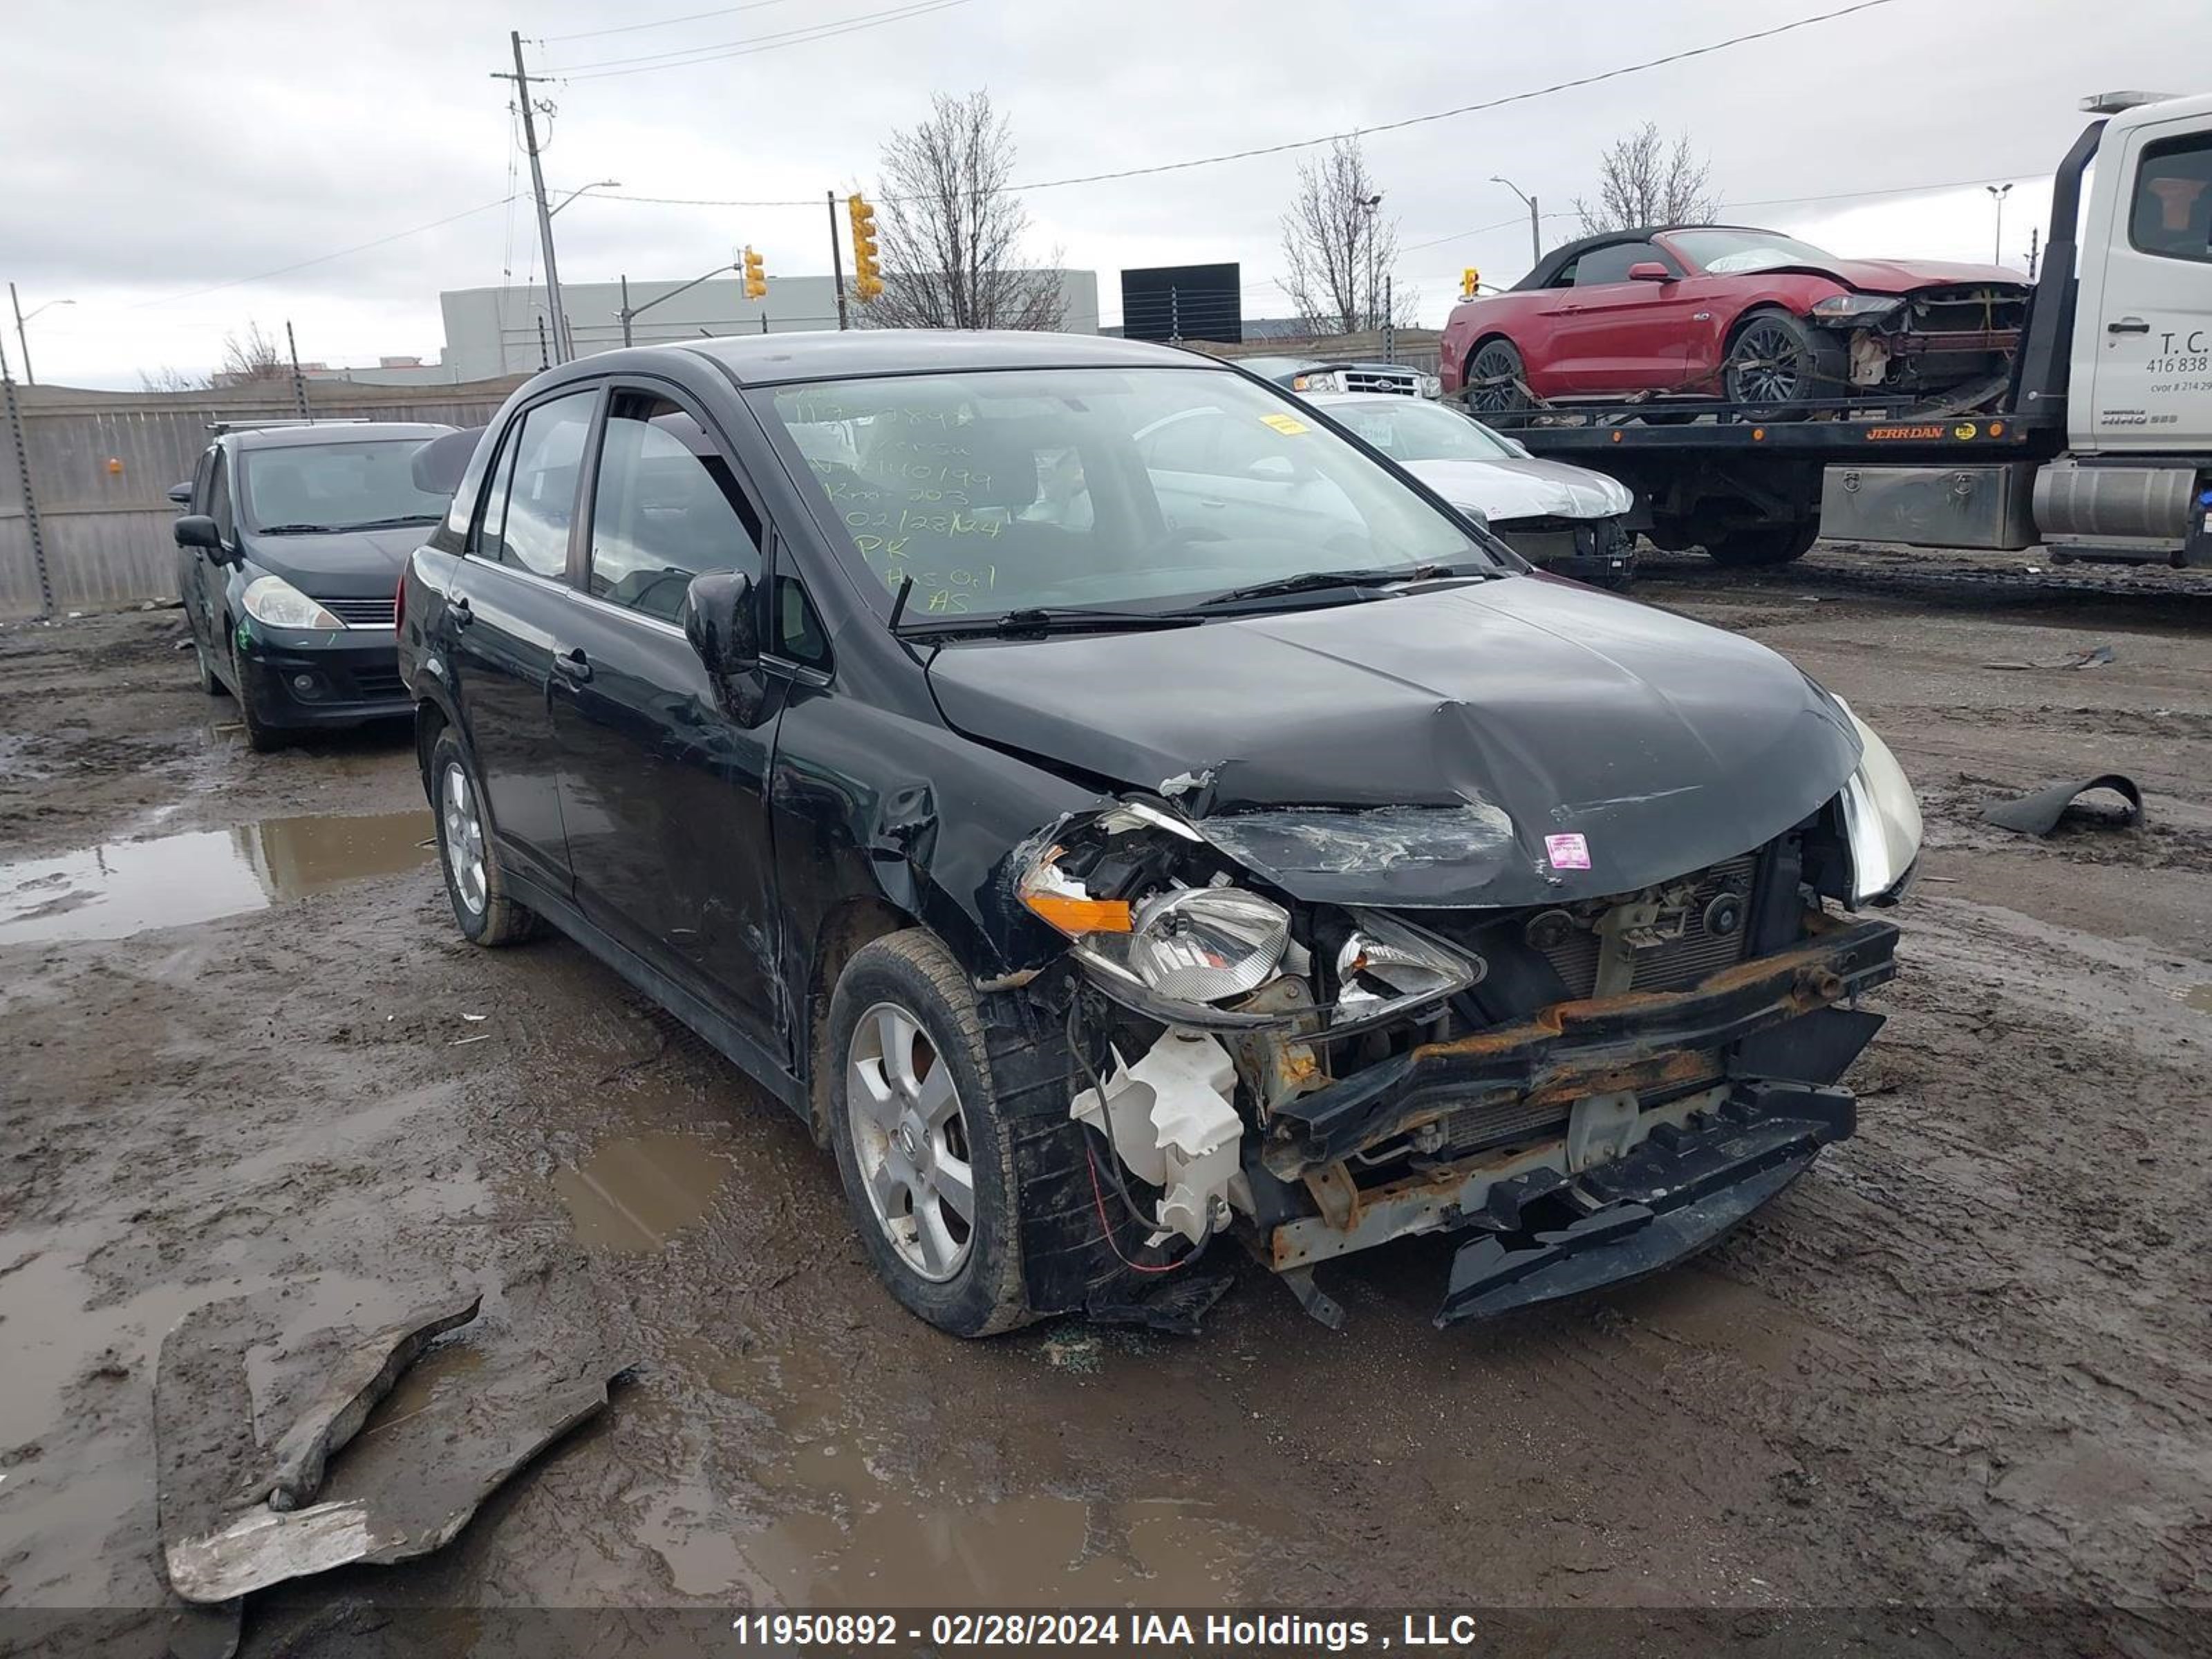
458, 609
2128, 325
573, 665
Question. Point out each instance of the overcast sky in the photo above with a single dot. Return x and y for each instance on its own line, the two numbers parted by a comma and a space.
163, 157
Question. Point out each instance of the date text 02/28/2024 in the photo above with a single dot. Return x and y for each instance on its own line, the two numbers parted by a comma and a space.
1184, 1632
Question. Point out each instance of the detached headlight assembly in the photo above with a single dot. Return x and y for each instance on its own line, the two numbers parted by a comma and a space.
274, 603
1881, 819
1855, 307
1191, 944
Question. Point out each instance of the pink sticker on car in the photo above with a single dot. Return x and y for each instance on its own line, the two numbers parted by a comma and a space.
1567, 852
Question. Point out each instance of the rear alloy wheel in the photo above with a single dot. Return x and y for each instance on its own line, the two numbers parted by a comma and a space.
928, 1165
1497, 379
475, 883
209, 685
1774, 369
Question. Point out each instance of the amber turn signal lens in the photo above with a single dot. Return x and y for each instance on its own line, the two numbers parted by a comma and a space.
1077, 916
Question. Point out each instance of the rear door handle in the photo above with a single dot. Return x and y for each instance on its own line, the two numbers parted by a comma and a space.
458, 609
573, 665
2128, 325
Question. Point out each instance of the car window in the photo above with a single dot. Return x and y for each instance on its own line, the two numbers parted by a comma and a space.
2172, 215
1564, 275
202, 478
1731, 252
799, 634
1184, 443
665, 507
1414, 430
488, 541
337, 486
526, 525
1610, 264
1007, 490
218, 506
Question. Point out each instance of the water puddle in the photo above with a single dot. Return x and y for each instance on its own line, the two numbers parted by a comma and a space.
849, 1532
633, 1195
2198, 997
122, 888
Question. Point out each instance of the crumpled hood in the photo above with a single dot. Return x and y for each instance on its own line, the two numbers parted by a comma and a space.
1524, 489
1438, 748
344, 564
1904, 276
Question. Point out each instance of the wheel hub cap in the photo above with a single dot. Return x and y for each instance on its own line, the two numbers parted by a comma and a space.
910, 1141
464, 838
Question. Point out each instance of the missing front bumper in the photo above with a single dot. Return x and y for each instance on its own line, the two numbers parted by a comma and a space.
1682, 1189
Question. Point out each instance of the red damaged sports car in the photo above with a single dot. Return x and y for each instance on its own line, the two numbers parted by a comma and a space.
1695, 313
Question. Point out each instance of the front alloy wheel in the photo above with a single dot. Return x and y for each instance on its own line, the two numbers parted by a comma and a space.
910, 1141
464, 838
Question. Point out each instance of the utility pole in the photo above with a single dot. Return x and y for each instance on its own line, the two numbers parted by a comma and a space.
21, 339
836, 259
299, 380
2034, 249
1389, 328
563, 347
31, 524
1536, 219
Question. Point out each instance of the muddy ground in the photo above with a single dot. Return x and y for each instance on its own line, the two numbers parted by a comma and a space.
1965, 1362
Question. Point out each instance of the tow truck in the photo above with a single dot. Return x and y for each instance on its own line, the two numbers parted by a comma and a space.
2096, 443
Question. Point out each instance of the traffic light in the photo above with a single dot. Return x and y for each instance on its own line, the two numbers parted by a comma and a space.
867, 274
756, 278
1469, 280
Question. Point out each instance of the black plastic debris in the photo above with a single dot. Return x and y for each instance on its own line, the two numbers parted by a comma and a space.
2095, 656
2042, 811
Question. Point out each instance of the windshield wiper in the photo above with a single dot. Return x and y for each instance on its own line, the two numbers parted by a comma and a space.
398, 522
1037, 621
1313, 581
297, 530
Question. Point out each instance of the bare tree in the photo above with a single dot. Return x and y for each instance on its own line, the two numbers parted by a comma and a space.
251, 356
1339, 247
1644, 181
952, 234
166, 378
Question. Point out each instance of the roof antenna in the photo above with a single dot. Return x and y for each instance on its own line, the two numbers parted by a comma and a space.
898, 605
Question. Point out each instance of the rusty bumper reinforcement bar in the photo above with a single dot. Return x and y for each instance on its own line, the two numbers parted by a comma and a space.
1571, 1049
1678, 1192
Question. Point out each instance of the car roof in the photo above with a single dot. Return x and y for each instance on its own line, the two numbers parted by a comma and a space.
332, 431
832, 354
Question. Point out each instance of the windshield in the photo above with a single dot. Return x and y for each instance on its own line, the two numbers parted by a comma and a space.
1098, 488
1406, 430
1724, 252
339, 486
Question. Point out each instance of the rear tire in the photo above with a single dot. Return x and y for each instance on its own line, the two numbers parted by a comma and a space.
915, 1121
1767, 545
1497, 378
476, 884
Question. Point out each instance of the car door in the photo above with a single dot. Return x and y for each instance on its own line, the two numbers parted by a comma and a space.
510, 595
2145, 320
662, 779
1616, 336
197, 576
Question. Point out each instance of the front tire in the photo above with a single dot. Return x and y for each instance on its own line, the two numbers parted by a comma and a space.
475, 883
925, 1153
1777, 369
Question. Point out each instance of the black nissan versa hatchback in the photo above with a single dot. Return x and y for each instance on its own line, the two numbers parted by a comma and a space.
1102, 862
288, 552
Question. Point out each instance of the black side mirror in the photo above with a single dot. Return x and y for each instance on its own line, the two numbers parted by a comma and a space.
181, 494
439, 464
198, 529
719, 621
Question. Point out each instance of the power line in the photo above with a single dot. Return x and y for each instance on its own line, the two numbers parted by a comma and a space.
657, 23
608, 67
323, 258
1463, 109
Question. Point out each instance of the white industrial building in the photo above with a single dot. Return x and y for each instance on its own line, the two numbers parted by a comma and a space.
495, 331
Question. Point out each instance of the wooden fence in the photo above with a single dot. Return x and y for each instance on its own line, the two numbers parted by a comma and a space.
100, 465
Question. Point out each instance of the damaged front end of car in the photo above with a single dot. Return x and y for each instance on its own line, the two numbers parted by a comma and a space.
1929, 340
1583, 1091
